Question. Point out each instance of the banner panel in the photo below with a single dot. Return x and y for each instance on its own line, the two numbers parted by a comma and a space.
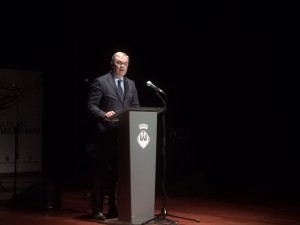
21, 98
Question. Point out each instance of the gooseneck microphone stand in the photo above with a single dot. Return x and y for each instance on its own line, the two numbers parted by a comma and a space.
161, 217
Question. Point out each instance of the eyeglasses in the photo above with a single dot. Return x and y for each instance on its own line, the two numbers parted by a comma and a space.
119, 63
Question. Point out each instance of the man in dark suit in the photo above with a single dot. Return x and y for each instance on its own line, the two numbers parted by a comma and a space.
109, 94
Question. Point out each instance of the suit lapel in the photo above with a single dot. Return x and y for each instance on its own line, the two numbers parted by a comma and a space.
126, 87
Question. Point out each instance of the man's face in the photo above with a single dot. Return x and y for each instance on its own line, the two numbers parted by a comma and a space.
120, 65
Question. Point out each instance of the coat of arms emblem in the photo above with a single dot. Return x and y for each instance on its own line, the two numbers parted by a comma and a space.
143, 138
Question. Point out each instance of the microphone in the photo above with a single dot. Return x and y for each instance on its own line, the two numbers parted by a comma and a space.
149, 84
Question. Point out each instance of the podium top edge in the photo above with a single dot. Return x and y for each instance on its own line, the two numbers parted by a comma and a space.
146, 109
139, 109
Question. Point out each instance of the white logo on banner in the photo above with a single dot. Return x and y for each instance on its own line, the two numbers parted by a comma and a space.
143, 138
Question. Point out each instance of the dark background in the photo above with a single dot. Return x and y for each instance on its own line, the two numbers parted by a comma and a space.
225, 115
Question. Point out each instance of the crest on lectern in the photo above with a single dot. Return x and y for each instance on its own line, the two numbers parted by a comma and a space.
143, 138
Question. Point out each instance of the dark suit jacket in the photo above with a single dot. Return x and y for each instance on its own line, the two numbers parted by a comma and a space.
104, 97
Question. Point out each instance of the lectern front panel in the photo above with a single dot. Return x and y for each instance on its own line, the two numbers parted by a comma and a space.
137, 166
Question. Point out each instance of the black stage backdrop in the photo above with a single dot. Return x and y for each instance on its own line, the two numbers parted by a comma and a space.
225, 112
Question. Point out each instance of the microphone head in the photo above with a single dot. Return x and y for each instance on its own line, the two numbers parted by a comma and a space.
149, 83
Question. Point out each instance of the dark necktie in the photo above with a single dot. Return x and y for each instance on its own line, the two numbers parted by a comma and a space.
120, 90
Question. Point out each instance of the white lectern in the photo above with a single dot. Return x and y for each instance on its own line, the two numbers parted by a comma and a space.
137, 163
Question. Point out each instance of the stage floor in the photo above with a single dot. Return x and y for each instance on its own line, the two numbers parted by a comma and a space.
228, 207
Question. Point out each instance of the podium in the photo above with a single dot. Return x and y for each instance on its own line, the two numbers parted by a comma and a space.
137, 163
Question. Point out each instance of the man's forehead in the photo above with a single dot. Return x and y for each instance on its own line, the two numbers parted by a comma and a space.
121, 57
